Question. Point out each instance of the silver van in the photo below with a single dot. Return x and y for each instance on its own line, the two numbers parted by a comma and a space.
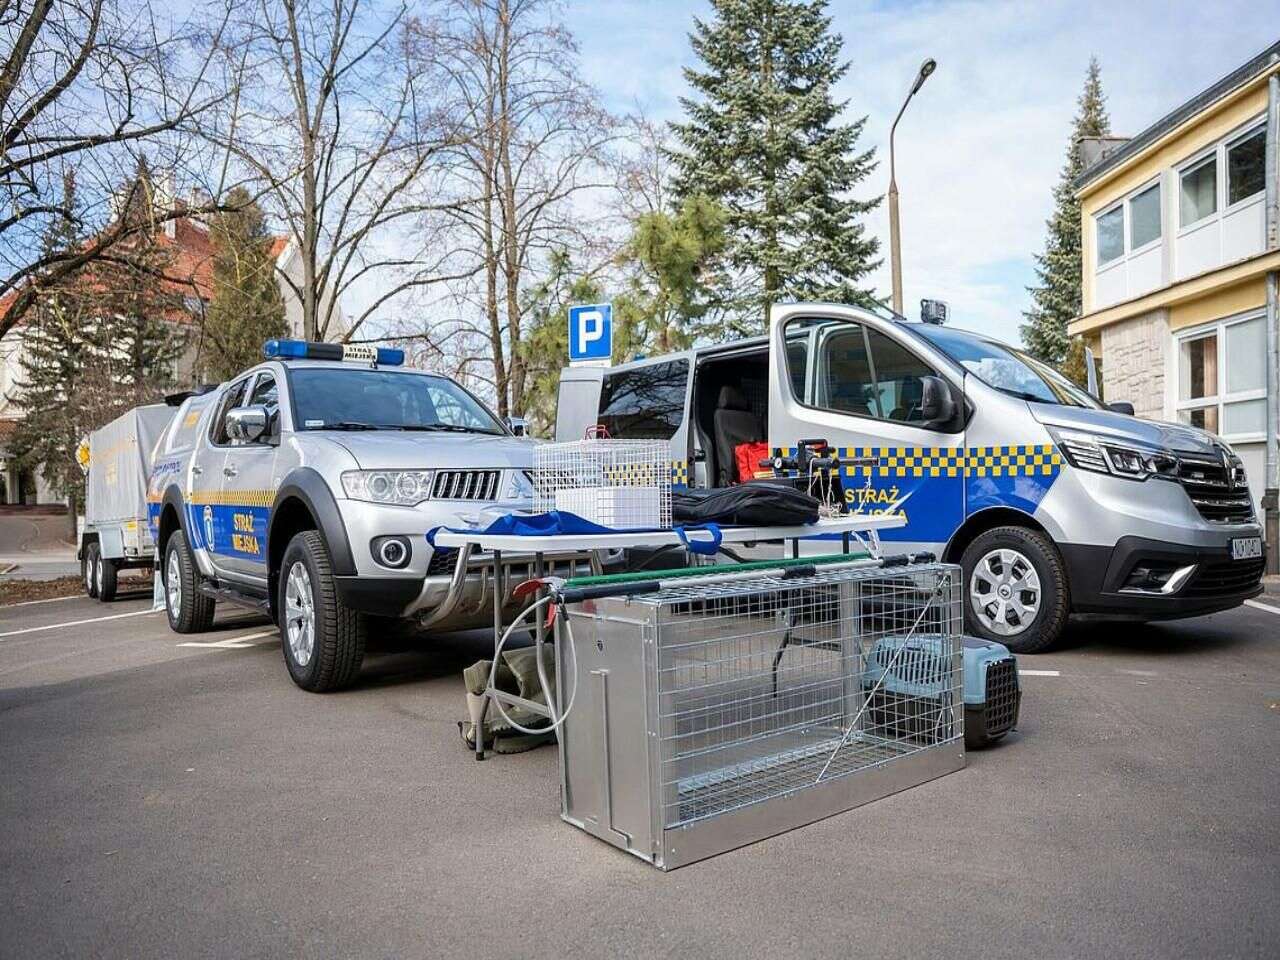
1054, 503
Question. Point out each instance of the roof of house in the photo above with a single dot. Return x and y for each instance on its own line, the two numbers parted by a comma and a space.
192, 261
1179, 115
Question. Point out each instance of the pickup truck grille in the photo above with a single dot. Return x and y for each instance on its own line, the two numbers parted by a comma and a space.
1218, 496
466, 485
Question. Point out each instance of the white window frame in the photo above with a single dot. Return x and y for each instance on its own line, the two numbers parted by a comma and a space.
1126, 225
1103, 266
1218, 151
1216, 328
1199, 160
1258, 125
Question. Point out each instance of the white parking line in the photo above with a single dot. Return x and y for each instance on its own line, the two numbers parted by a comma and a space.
230, 643
1262, 606
76, 623
30, 603
1039, 673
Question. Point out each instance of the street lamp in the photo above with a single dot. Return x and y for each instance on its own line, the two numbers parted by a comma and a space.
895, 243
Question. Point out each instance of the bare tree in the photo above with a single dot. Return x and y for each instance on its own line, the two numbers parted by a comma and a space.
330, 109
536, 138
85, 86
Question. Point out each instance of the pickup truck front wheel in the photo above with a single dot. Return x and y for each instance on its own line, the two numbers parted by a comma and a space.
322, 638
189, 610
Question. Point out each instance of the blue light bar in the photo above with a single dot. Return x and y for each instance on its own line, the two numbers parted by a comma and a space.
355, 353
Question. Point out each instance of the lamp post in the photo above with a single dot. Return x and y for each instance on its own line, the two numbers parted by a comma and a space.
895, 243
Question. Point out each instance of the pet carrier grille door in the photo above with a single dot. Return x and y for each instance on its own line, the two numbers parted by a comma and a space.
713, 714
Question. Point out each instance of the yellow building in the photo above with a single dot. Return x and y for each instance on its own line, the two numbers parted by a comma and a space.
1181, 255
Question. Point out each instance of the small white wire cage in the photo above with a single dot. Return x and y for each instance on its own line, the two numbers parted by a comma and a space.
715, 714
622, 484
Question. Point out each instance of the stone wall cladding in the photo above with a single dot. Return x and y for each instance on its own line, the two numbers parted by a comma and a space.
1133, 359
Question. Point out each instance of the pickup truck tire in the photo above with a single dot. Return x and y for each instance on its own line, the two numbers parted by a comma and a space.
322, 638
188, 610
89, 570
107, 579
1015, 589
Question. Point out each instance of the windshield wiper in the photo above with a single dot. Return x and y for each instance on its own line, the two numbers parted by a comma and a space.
447, 428
349, 425
1024, 395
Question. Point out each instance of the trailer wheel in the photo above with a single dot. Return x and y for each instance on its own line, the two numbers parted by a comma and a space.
322, 638
107, 579
1015, 589
89, 570
188, 610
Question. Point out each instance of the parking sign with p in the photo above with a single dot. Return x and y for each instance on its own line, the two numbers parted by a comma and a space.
591, 334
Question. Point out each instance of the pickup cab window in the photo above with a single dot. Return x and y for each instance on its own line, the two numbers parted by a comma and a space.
338, 399
230, 400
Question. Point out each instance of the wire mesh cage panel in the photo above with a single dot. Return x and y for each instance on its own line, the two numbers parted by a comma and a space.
719, 712
623, 484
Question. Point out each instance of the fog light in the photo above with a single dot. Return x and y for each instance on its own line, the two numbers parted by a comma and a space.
391, 552
1161, 578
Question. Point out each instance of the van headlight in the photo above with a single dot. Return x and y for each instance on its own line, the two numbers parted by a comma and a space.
1101, 454
404, 488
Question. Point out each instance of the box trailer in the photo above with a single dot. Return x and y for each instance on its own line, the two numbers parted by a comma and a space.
115, 534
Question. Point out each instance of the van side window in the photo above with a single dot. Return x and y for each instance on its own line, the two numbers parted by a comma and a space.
899, 391
645, 403
230, 400
860, 371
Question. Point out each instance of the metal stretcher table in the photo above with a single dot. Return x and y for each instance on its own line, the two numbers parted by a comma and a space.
851, 527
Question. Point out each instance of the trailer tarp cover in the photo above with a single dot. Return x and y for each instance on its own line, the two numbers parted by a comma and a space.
120, 462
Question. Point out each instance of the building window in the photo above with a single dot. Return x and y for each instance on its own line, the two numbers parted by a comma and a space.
1144, 217
1222, 378
1246, 160
1199, 194
1110, 235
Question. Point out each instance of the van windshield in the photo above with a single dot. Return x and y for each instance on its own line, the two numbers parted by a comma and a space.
334, 398
1006, 369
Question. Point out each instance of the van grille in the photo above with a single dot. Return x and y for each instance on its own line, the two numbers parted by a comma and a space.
466, 485
1226, 577
1220, 497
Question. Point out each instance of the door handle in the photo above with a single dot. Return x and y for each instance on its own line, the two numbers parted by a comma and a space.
196, 470
229, 471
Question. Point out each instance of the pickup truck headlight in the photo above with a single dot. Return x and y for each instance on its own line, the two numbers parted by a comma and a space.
1134, 461
405, 488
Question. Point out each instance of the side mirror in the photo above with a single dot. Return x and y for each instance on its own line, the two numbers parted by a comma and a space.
1121, 406
518, 425
936, 405
247, 424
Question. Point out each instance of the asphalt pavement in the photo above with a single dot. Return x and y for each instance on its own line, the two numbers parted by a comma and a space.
36, 545
169, 796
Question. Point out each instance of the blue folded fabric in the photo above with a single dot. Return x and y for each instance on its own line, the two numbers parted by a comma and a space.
557, 522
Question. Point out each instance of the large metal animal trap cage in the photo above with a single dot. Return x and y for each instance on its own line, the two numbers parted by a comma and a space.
622, 484
722, 709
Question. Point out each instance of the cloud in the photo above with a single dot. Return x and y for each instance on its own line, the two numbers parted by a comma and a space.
983, 143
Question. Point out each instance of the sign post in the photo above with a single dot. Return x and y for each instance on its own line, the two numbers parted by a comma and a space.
591, 335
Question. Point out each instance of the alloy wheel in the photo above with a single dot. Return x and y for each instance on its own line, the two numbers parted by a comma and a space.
173, 585
300, 614
1004, 591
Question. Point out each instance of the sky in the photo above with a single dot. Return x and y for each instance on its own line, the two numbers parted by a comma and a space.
982, 144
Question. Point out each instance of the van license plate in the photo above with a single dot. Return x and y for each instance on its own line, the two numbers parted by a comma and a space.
1246, 548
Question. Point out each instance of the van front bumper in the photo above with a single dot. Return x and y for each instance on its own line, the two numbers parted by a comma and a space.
1104, 581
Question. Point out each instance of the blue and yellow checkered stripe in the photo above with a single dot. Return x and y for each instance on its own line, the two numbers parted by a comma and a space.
1022, 460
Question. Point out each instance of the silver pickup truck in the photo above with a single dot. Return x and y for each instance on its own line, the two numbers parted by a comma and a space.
305, 487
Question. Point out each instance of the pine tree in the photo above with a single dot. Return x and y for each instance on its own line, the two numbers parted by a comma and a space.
546, 343
142, 309
246, 307
763, 140
1056, 299
58, 351
668, 259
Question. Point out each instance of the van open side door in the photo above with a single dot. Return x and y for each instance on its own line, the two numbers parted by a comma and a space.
578, 402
